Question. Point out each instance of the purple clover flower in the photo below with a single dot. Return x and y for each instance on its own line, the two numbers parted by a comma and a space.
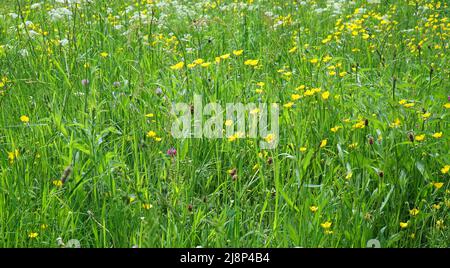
172, 152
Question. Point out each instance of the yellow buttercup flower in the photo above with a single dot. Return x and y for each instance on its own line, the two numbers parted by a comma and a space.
33, 235
13, 155
426, 116
314, 61
403, 225
3, 81
335, 129
313, 208
436, 206
292, 50
287, 74
353, 145
57, 183
308, 93
269, 138
198, 61
224, 57
325, 95
323, 143
445, 169
343, 73
147, 206
349, 175
288, 105
327, 58
235, 136
328, 39
104, 54
205, 64
251, 62
303, 149
437, 135
238, 52
420, 137
177, 66
438, 185
396, 123
151, 134
295, 97
414, 212
326, 225
360, 124
24, 119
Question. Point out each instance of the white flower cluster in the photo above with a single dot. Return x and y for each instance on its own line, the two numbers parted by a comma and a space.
60, 13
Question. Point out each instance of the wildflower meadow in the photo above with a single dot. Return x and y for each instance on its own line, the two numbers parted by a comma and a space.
224, 123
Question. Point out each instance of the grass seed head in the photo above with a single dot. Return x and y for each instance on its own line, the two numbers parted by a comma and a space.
66, 174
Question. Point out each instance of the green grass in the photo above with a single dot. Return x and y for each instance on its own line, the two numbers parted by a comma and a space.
365, 190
